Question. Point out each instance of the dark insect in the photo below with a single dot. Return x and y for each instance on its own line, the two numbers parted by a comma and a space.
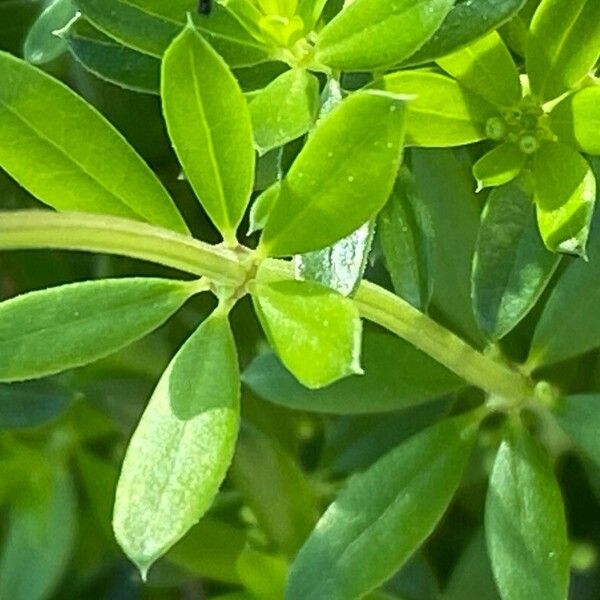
204, 7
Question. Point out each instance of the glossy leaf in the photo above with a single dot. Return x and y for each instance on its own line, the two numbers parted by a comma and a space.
364, 35
486, 68
499, 166
341, 178
395, 504
45, 147
407, 239
261, 207
466, 21
565, 193
39, 538
182, 446
60, 328
396, 375
511, 266
556, 58
285, 109
315, 331
42, 45
341, 265
579, 417
442, 112
207, 119
576, 120
310, 11
32, 404
525, 523
111, 61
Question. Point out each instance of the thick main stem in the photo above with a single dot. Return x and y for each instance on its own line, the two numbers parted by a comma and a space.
92, 233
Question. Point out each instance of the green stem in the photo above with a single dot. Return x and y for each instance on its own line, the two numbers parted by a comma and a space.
92, 233
31, 229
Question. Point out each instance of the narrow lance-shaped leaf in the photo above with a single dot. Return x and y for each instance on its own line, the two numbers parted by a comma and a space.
60, 328
45, 147
486, 68
565, 194
407, 238
556, 58
315, 331
41, 45
110, 60
576, 120
342, 176
525, 523
466, 21
442, 112
511, 266
285, 109
392, 506
499, 166
209, 123
182, 446
364, 35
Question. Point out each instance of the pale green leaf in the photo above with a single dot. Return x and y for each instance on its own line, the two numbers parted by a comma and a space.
60, 328
315, 331
407, 239
209, 123
396, 376
365, 34
41, 44
261, 207
579, 417
46, 147
341, 265
576, 120
499, 166
182, 446
486, 68
383, 515
310, 11
442, 112
565, 194
285, 109
511, 266
563, 46
263, 574
341, 178
525, 523
110, 60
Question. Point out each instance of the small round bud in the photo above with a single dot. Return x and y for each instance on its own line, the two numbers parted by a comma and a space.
529, 144
495, 128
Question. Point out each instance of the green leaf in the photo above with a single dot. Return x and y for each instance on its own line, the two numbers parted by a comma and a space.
273, 485
41, 44
285, 109
45, 147
564, 331
499, 166
466, 21
110, 60
341, 265
442, 112
579, 417
310, 11
40, 537
182, 447
525, 523
48, 331
396, 375
556, 58
394, 506
32, 403
576, 120
486, 68
315, 331
407, 239
262, 574
341, 178
565, 194
364, 35
511, 266
261, 207
207, 116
